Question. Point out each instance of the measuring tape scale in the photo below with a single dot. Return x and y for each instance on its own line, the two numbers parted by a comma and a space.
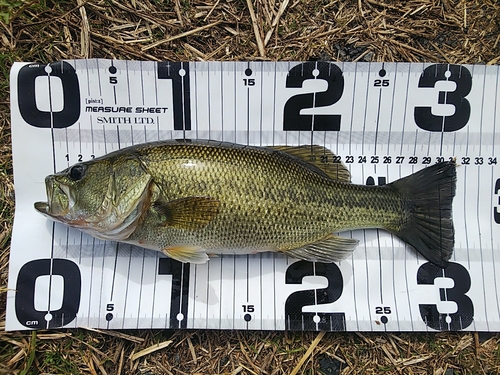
383, 121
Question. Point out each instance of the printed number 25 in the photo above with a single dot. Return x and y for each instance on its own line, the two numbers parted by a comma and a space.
292, 118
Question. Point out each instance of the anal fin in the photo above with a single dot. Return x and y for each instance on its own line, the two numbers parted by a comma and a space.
328, 250
187, 254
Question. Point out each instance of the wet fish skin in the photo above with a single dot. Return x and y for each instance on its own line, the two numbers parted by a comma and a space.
193, 198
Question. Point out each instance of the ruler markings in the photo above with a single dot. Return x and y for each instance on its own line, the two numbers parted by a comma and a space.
495, 282
209, 111
221, 98
127, 283
153, 303
124, 136
478, 203
261, 102
48, 70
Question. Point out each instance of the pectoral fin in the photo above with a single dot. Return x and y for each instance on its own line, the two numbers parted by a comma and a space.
187, 254
191, 213
328, 250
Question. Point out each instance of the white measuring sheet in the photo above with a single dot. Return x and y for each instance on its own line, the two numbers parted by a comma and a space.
382, 120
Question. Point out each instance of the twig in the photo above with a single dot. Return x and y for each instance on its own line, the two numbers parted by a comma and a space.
308, 353
177, 7
182, 35
256, 31
416, 50
283, 6
85, 33
150, 349
211, 10
120, 335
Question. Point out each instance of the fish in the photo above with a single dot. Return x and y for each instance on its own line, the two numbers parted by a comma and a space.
192, 199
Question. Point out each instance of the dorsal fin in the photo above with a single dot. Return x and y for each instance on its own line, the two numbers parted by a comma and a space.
321, 158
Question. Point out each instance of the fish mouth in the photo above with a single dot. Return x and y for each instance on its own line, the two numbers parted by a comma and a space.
57, 205
42, 207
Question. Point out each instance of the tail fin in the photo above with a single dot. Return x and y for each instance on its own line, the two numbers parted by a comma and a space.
428, 227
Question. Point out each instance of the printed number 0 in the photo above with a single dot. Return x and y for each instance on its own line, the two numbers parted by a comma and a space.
292, 119
26, 93
25, 293
463, 79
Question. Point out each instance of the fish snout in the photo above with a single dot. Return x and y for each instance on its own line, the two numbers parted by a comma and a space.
57, 204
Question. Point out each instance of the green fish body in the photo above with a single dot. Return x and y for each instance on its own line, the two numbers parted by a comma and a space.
190, 199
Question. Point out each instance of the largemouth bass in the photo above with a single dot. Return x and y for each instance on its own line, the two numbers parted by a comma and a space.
190, 199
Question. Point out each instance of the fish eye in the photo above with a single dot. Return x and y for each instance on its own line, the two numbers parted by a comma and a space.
76, 172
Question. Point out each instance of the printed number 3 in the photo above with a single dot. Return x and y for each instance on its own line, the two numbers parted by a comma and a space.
464, 315
463, 79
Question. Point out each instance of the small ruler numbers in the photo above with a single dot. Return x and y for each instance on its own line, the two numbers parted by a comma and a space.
382, 120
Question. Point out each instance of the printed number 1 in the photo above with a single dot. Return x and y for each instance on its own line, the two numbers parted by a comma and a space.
180, 290
178, 73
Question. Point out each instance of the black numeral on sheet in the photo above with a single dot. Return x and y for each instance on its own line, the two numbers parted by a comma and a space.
381, 83
60, 74
496, 210
180, 290
178, 73
292, 118
460, 75
295, 318
431, 314
26, 298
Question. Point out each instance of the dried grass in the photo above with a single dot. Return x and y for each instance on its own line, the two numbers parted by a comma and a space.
363, 30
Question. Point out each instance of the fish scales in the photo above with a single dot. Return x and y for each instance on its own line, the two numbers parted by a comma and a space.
268, 200
193, 198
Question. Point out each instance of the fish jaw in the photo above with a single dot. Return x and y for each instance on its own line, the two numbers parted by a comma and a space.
58, 202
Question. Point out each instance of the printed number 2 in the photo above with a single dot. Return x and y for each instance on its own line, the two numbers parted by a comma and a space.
464, 315
463, 80
298, 320
331, 73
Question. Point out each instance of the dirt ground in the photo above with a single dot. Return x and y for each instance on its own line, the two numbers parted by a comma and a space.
461, 32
